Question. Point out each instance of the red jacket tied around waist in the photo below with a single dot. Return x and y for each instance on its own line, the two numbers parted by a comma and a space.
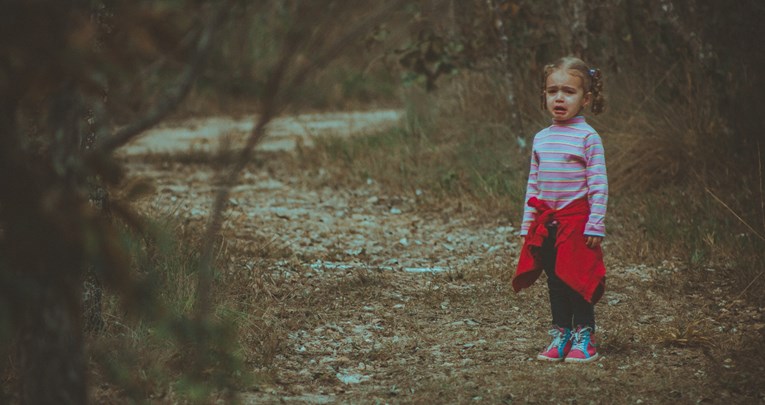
577, 265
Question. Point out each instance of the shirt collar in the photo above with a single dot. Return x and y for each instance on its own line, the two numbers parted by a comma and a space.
575, 120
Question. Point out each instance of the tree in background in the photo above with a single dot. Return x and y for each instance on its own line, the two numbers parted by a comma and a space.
689, 64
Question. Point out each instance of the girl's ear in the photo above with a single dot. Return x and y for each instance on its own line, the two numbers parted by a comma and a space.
587, 99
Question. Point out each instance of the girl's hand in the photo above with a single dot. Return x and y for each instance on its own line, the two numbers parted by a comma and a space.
593, 241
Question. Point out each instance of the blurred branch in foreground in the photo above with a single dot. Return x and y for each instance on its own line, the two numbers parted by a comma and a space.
285, 81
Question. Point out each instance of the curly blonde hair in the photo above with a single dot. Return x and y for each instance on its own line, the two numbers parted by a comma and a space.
592, 80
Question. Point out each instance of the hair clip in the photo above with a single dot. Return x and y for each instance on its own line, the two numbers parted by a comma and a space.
592, 72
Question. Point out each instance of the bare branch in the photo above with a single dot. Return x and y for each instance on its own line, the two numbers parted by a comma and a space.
272, 105
173, 98
206, 272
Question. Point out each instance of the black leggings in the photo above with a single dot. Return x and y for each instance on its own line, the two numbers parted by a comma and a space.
569, 308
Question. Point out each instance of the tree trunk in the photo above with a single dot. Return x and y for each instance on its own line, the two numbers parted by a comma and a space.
579, 43
44, 262
44, 219
50, 349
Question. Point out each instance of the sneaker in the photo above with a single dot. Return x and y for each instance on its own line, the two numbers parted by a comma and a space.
559, 347
583, 349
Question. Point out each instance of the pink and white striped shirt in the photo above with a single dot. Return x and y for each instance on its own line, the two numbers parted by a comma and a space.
568, 163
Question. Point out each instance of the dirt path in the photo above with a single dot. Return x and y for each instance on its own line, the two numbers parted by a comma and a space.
210, 133
377, 300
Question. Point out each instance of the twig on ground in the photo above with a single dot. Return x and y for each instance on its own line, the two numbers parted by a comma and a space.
745, 288
734, 213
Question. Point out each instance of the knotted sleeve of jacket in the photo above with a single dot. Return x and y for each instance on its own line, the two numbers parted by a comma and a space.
576, 264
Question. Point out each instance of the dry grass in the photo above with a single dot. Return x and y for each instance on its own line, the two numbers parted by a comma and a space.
446, 148
458, 146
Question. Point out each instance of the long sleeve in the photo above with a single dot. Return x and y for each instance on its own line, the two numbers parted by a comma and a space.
532, 190
597, 184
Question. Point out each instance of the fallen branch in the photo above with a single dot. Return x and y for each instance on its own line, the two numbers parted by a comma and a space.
745, 288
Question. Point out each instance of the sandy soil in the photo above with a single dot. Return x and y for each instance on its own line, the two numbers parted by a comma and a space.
375, 298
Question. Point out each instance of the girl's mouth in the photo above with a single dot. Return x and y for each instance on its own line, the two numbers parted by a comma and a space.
561, 110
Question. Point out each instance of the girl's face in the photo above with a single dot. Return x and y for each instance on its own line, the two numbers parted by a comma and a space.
565, 96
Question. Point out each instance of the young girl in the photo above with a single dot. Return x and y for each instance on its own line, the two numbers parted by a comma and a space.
566, 198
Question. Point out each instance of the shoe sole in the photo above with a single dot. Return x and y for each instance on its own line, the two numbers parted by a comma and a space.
545, 358
587, 360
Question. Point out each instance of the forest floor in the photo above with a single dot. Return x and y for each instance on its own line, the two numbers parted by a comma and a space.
359, 296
